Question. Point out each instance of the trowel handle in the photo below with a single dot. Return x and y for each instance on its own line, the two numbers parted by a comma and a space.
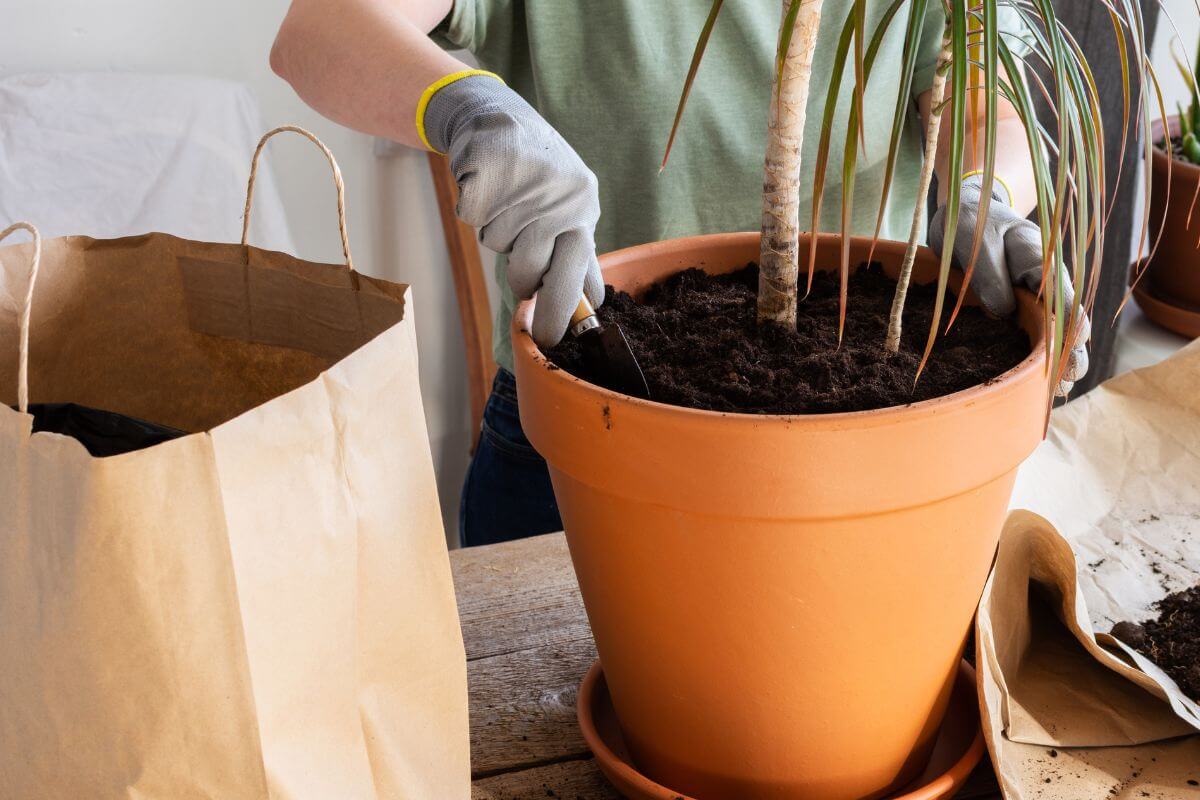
582, 311
584, 318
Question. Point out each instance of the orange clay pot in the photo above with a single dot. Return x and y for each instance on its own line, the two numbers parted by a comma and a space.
779, 602
1174, 272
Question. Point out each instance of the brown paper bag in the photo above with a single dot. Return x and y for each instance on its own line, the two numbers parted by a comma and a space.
1065, 718
1069, 711
261, 608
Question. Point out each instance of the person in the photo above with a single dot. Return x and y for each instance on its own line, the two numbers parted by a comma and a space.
569, 118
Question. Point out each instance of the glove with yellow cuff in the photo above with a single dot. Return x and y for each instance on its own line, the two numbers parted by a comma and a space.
523, 187
1009, 255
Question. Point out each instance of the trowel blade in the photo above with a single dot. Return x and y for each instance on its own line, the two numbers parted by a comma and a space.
610, 360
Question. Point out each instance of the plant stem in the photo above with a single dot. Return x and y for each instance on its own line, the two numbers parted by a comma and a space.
778, 256
932, 128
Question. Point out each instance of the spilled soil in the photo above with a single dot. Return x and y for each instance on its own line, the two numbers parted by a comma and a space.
700, 346
1172, 640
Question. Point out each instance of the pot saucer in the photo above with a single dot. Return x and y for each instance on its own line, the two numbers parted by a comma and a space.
1177, 318
959, 745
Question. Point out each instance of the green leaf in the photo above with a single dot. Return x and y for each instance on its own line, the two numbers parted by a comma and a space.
823, 144
1191, 148
913, 32
860, 69
786, 28
849, 31
958, 95
991, 59
697, 56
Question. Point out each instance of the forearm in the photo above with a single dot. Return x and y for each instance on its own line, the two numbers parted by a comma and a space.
1014, 164
363, 63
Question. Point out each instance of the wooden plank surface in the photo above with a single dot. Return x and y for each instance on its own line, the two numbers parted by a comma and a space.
470, 289
528, 645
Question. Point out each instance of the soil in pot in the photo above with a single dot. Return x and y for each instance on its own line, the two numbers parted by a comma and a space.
1172, 640
1175, 150
700, 346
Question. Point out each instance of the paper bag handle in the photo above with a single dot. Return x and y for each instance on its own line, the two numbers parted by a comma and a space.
24, 313
337, 182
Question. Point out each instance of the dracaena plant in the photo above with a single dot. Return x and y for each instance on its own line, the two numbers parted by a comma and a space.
977, 64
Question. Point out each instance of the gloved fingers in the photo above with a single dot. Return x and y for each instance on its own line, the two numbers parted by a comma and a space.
1078, 360
1083, 331
593, 283
989, 274
989, 278
1077, 365
562, 286
1023, 248
968, 204
531, 253
936, 235
1064, 388
485, 183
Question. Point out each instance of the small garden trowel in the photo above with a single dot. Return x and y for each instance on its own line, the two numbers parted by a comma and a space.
606, 354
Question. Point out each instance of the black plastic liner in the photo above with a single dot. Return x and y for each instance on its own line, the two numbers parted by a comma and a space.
103, 433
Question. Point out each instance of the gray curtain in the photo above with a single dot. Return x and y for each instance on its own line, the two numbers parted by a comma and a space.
1091, 25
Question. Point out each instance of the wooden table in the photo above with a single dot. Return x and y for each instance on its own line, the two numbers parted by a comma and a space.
528, 645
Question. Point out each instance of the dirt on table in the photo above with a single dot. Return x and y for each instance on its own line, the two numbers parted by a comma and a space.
1172, 640
700, 345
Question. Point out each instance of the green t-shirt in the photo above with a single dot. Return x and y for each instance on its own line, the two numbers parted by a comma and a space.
607, 75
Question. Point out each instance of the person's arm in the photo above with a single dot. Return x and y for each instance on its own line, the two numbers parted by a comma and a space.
1014, 165
370, 65
364, 63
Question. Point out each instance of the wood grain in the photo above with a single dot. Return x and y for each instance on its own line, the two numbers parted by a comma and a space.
575, 779
518, 596
470, 288
523, 706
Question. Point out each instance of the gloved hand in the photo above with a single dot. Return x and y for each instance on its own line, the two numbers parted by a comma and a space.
526, 190
1010, 255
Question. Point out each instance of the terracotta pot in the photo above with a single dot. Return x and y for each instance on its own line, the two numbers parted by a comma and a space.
779, 602
1174, 272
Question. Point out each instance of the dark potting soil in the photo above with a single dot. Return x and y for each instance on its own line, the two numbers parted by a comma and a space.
102, 433
1172, 640
1175, 149
700, 346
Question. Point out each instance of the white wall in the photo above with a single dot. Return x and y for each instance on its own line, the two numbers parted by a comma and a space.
1179, 24
394, 228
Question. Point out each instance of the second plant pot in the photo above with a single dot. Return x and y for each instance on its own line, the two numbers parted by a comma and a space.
1173, 274
779, 602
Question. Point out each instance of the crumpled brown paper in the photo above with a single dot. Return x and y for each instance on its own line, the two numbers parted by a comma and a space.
1068, 711
262, 608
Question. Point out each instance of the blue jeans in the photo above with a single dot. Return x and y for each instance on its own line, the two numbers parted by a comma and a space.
507, 494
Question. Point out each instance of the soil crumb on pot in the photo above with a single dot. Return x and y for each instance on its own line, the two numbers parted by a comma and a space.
700, 346
1172, 641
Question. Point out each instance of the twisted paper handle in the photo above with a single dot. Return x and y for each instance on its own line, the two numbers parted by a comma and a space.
24, 313
337, 182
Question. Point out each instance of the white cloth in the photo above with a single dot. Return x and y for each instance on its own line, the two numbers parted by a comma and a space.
118, 154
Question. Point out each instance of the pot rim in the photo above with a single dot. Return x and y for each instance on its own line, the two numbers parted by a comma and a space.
979, 393
1186, 168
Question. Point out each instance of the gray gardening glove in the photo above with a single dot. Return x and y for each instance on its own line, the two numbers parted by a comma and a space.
528, 193
1010, 255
